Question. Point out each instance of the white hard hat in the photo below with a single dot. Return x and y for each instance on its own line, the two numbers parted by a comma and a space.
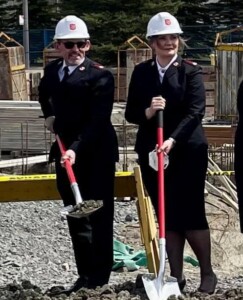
71, 27
163, 23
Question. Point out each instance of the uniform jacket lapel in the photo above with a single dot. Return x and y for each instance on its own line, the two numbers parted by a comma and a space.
173, 69
77, 74
154, 79
81, 72
172, 75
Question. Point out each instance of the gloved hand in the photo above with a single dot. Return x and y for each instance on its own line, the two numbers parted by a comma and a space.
49, 123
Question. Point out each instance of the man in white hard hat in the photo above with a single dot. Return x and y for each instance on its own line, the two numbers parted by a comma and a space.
76, 95
175, 85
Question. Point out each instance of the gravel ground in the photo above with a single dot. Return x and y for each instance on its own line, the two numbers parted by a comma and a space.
36, 254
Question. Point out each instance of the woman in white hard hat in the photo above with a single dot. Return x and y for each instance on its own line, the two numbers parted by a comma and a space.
174, 85
76, 95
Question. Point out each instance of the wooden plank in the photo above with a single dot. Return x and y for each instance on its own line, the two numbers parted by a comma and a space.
19, 85
145, 226
22, 104
21, 129
34, 81
219, 134
16, 55
23, 161
50, 54
18, 68
5, 82
209, 111
210, 97
15, 139
210, 85
13, 83
236, 47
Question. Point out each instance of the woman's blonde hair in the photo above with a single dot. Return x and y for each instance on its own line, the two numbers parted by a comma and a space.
182, 42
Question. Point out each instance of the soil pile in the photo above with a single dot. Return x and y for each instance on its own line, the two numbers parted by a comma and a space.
36, 254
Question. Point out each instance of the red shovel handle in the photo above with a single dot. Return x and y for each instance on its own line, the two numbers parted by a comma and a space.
161, 200
67, 164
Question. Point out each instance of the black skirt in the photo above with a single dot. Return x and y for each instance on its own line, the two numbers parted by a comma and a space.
184, 187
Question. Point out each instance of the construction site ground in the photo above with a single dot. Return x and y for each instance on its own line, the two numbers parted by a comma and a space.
36, 253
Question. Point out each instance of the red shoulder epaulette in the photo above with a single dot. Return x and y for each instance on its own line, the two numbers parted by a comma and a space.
97, 66
190, 62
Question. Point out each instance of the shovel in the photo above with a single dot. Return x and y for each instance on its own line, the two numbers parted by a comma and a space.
82, 208
160, 288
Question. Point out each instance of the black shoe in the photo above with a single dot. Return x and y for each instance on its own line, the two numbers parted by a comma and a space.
210, 292
93, 284
182, 284
79, 283
55, 290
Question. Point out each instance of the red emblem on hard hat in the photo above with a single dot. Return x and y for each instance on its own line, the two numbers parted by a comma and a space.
167, 22
72, 26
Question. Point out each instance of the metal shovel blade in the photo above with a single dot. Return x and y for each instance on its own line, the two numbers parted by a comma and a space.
160, 289
83, 209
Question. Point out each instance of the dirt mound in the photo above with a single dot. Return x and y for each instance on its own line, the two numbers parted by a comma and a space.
226, 239
125, 291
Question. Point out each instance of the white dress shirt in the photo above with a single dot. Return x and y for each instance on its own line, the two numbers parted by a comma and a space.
163, 70
70, 68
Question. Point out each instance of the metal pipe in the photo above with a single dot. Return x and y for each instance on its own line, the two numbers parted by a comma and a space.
26, 33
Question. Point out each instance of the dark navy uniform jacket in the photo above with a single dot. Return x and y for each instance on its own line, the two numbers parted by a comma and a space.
82, 106
183, 89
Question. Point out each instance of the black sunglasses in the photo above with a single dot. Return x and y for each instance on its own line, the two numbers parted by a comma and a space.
70, 45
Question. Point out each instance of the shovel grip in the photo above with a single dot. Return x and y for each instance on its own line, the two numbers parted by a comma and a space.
161, 200
67, 164
160, 119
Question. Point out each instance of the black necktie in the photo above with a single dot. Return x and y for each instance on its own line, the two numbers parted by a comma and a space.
66, 73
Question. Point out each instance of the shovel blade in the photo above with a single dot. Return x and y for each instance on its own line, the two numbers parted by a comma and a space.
83, 209
159, 289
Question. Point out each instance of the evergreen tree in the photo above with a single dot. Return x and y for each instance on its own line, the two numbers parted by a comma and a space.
194, 13
226, 12
209, 18
221, 12
41, 14
9, 14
